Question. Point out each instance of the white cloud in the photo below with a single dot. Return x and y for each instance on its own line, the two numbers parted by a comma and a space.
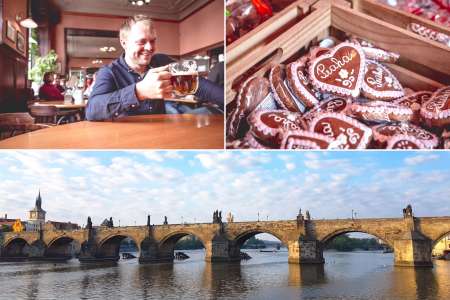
311, 155
290, 166
421, 158
128, 187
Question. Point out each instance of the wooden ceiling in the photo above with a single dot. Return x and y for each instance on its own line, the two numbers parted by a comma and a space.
174, 10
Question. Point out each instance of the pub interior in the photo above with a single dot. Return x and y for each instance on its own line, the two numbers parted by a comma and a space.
51, 51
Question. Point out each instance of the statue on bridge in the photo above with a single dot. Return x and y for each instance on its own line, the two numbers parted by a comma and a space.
107, 223
89, 223
300, 217
217, 217
407, 212
308, 216
165, 221
230, 218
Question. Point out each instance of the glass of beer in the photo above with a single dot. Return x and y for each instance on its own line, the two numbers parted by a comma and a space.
184, 77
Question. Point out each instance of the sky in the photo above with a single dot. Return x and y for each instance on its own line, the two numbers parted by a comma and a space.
187, 186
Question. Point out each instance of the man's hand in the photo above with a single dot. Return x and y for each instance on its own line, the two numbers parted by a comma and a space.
155, 85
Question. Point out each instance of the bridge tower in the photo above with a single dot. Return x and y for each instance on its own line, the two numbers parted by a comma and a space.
307, 249
412, 248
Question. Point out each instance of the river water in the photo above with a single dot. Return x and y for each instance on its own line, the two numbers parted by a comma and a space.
355, 275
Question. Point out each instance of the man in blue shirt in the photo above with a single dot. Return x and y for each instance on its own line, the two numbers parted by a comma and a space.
139, 80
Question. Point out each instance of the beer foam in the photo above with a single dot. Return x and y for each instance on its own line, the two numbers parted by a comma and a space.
185, 73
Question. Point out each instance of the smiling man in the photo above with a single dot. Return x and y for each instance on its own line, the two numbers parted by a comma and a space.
139, 80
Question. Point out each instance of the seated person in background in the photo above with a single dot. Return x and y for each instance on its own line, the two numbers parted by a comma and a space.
139, 80
48, 90
59, 83
90, 85
216, 74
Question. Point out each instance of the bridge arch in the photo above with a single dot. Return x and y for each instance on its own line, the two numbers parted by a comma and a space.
168, 242
16, 248
439, 238
62, 247
109, 246
330, 236
242, 237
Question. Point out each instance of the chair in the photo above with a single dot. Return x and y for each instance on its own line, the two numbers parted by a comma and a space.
49, 114
13, 123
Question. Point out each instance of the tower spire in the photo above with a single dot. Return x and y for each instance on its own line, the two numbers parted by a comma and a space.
39, 200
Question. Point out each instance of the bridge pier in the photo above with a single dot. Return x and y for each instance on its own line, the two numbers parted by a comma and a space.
220, 249
36, 251
305, 251
413, 250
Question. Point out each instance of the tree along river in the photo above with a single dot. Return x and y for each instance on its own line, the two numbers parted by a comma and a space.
345, 275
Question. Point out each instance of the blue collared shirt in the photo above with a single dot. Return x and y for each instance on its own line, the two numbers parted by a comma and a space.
113, 94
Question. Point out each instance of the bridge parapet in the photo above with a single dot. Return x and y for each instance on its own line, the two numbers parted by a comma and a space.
410, 237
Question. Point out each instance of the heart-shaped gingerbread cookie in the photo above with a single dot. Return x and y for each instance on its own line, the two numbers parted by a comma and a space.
300, 85
341, 71
402, 142
436, 111
383, 133
414, 101
336, 105
347, 132
281, 91
302, 139
251, 94
379, 83
380, 111
268, 127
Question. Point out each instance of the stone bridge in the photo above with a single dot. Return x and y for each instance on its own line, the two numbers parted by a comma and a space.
411, 238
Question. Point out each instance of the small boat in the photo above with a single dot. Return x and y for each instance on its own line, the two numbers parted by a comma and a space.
388, 250
271, 251
244, 256
181, 255
126, 255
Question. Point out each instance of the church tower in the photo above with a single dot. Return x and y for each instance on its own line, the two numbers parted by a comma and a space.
36, 217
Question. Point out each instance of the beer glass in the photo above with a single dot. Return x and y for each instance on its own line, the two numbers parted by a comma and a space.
184, 77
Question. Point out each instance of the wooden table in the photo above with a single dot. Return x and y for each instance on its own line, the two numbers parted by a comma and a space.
61, 104
182, 100
135, 132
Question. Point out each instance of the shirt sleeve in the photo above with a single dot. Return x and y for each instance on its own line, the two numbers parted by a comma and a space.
107, 101
210, 92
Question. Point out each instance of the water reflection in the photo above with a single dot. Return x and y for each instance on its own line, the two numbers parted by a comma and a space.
224, 279
300, 275
33, 287
355, 275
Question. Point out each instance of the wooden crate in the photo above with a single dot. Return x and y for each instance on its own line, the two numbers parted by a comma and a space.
395, 16
423, 64
254, 44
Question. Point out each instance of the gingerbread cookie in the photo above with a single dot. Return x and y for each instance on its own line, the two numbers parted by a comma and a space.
268, 127
302, 139
436, 111
379, 83
347, 132
253, 142
429, 33
380, 55
341, 71
403, 142
380, 111
281, 92
300, 85
251, 94
335, 105
383, 133
375, 53
414, 101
